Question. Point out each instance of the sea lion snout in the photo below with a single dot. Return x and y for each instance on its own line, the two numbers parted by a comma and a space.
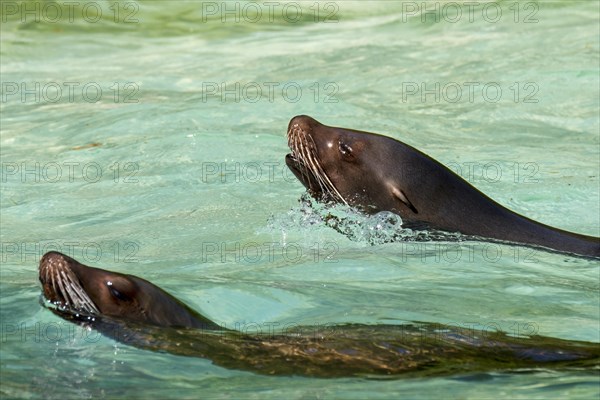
61, 285
48, 263
302, 122
53, 257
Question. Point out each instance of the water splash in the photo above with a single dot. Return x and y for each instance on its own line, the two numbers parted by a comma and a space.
376, 229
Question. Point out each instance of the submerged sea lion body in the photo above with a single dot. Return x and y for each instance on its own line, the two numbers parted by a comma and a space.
377, 173
136, 312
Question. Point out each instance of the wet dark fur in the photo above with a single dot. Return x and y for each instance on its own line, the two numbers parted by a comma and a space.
160, 322
377, 173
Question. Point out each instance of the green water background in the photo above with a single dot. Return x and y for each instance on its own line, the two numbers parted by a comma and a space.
174, 171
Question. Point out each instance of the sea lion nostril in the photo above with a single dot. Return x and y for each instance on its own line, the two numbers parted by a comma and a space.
301, 123
52, 257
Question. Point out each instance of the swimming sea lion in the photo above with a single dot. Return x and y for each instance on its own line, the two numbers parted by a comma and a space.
136, 312
377, 173
71, 285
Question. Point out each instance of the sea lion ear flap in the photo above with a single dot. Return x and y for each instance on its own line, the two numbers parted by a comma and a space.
399, 194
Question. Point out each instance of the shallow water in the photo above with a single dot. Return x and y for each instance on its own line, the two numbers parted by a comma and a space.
175, 172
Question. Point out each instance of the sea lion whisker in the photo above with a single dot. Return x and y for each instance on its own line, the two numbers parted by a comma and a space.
64, 292
309, 161
306, 154
303, 149
71, 289
291, 137
84, 301
293, 140
305, 160
322, 176
47, 273
320, 172
331, 186
51, 271
317, 172
297, 154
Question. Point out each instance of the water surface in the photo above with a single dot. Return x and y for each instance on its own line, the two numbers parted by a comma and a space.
175, 172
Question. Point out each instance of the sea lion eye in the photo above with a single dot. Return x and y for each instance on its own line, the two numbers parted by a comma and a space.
116, 293
345, 149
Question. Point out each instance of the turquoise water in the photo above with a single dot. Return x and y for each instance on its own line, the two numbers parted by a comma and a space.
153, 144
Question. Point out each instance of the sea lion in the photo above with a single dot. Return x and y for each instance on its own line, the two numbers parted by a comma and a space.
94, 292
138, 313
377, 173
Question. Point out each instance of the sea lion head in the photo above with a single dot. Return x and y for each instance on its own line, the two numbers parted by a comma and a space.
348, 166
84, 291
